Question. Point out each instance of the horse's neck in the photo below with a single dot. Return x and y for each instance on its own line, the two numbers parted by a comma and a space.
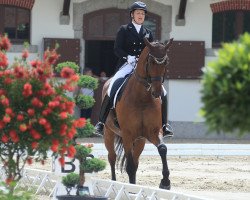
138, 88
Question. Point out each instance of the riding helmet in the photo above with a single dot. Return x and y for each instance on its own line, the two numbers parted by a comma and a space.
138, 5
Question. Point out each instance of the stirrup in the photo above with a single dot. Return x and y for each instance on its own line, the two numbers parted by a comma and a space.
167, 131
99, 129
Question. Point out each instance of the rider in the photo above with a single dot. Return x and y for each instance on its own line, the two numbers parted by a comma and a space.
128, 46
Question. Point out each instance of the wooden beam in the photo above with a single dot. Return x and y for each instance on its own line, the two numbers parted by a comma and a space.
66, 5
182, 9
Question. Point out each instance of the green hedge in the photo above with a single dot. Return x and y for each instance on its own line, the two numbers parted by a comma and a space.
226, 89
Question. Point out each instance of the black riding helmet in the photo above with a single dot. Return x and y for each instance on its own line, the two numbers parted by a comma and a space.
138, 5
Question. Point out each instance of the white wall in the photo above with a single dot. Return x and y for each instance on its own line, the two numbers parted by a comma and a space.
45, 22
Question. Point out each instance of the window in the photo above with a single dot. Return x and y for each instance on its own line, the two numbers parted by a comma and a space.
227, 26
15, 22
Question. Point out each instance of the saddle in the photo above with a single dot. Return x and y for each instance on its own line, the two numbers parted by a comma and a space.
116, 94
118, 88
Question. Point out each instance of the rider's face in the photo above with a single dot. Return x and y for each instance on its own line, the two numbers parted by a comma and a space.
138, 16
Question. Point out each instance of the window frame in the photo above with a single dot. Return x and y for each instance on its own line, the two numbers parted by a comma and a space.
2, 27
238, 29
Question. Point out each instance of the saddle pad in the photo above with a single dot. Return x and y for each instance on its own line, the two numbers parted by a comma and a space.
118, 88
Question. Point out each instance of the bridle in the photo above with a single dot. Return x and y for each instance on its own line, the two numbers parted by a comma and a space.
148, 80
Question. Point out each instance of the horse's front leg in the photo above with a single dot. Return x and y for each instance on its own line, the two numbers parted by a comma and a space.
131, 163
165, 182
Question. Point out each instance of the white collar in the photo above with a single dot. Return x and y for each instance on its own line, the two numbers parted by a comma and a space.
137, 26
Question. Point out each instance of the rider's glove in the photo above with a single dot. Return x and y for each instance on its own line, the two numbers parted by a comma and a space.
131, 59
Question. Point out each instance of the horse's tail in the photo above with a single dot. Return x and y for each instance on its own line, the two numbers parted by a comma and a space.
119, 151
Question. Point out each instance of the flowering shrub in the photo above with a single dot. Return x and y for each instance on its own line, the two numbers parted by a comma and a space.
35, 114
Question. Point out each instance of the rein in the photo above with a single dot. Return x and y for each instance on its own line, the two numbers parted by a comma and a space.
147, 81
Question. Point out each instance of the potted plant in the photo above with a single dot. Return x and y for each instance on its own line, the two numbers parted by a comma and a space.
88, 164
70, 181
68, 64
85, 82
36, 115
86, 131
85, 102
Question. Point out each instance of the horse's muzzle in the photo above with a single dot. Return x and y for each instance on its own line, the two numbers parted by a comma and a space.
156, 94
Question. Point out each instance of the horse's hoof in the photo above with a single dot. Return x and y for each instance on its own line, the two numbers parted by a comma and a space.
165, 185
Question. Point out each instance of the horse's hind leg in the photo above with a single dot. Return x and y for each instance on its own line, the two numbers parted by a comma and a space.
165, 182
109, 139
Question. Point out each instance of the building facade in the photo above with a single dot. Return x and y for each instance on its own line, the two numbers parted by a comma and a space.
197, 26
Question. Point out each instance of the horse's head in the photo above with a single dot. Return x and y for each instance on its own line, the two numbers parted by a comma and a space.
156, 63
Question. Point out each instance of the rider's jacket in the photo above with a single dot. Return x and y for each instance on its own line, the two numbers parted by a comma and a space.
129, 42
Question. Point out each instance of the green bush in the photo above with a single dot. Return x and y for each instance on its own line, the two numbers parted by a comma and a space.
93, 165
69, 64
70, 180
226, 89
84, 101
86, 131
86, 81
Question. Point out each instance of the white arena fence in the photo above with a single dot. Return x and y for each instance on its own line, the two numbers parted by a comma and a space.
122, 191
42, 182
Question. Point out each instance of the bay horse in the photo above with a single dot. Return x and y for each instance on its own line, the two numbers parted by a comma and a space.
138, 113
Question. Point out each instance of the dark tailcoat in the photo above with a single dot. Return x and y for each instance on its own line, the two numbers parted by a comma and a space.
129, 42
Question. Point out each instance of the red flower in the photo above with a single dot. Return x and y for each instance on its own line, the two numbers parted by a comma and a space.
23, 127
25, 54
7, 80
71, 151
29, 161
42, 121
4, 43
5, 138
63, 115
2, 124
19, 72
8, 111
36, 102
48, 131
31, 112
20, 117
54, 148
6, 119
62, 161
14, 137
67, 72
80, 122
3, 60
34, 145
35, 134
5, 101
2, 92
35, 63
27, 86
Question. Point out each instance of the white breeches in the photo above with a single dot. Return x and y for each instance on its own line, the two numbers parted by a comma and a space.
122, 72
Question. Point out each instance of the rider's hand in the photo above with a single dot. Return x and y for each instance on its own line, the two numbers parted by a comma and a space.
131, 59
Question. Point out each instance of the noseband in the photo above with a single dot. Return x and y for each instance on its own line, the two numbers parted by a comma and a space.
148, 80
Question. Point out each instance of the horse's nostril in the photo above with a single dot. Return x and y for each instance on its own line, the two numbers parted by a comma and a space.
155, 94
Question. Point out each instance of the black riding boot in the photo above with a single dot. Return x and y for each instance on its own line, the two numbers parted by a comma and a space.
167, 129
105, 107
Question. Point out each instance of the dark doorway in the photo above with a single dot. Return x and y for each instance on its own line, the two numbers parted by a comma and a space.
99, 56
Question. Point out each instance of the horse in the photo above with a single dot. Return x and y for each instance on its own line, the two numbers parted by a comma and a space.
137, 115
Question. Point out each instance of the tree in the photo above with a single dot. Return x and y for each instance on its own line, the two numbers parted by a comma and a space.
36, 115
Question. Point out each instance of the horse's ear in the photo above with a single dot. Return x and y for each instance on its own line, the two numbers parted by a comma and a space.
170, 42
147, 43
